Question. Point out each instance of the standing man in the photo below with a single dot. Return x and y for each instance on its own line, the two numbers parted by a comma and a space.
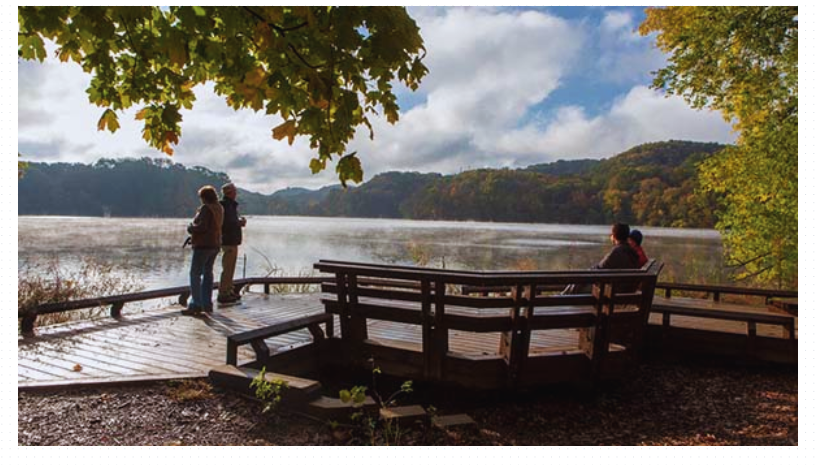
231, 238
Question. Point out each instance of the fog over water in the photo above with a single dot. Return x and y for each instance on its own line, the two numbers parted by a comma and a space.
150, 249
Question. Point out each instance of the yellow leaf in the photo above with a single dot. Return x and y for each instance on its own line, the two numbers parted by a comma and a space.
141, 114
109, 120
286, 129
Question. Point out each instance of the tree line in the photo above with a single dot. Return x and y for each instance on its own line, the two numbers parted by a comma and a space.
652, 184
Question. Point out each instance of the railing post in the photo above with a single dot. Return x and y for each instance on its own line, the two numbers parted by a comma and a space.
440, 333
27, 323
358, 324
513, 343
426, 328
598, 347
116, 310
183, 298
344, 310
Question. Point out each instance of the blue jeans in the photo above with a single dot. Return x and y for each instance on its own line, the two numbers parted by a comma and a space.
202, 278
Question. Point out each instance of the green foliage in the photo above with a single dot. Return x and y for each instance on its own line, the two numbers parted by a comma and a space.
356, 395
370, 428
742, 61
323, 70
269, 392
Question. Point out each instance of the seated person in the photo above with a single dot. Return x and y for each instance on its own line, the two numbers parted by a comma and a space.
622, 256
635, 240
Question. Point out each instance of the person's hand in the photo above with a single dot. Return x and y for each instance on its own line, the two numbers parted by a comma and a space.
243, 221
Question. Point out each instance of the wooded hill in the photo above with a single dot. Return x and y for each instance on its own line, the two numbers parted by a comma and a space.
651, 184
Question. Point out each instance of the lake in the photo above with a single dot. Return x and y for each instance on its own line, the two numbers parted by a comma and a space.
150, 249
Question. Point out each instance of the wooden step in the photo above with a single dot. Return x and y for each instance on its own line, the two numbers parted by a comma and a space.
404, 416
332, 408
452, 421
299, 390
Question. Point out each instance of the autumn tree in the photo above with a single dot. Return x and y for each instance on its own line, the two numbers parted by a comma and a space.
742, 61
323, 70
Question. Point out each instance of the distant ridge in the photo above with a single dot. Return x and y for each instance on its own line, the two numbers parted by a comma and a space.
650, 184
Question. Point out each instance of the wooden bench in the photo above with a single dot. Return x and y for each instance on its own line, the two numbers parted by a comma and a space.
256, 337
432, 302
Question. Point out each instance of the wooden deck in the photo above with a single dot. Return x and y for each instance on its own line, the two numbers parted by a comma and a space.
153, 345
163, 344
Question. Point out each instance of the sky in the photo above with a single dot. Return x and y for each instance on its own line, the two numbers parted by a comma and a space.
507, 87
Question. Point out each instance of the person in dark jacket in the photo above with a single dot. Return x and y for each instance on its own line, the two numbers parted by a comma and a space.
231, 239
622, 255
206, 237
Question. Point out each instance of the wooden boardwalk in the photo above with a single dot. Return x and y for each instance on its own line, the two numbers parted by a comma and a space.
163, 344
152, 345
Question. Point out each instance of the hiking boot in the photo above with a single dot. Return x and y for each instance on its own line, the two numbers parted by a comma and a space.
208, 309
226, 299
192, 311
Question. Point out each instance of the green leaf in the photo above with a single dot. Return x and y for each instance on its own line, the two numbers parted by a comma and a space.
344, 396
349, 168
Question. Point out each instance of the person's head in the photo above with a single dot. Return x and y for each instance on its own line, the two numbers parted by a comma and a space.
620, 233
229, 191
635, 238
208, 194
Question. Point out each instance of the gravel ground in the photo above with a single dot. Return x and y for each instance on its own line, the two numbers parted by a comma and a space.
662, 403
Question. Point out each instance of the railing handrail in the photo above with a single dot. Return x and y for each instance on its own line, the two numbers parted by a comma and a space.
59, 307
719, 289
486, 278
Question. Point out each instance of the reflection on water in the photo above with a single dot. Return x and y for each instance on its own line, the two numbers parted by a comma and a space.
152, 248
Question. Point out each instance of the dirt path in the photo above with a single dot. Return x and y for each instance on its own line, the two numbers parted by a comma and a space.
662, 404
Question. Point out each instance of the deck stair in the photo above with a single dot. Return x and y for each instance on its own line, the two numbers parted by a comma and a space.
302, 394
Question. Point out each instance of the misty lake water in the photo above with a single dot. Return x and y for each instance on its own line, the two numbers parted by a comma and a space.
150, 249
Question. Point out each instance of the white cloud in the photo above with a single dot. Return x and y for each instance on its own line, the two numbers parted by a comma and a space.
642, 115
489, 68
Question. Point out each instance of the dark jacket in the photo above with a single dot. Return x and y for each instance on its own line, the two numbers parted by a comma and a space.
621, 256
231, 229
206, 229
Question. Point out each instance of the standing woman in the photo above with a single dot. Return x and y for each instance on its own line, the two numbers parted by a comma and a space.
206, 238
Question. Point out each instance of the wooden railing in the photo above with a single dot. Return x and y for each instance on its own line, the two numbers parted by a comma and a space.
28, 316
420, 296
717, 291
